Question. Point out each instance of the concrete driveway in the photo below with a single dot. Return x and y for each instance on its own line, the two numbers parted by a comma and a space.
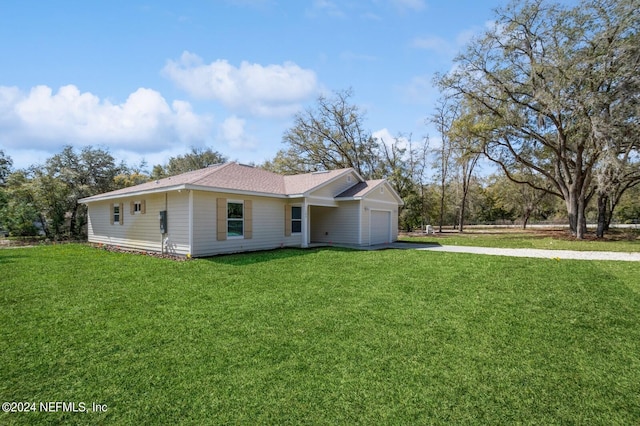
548, 254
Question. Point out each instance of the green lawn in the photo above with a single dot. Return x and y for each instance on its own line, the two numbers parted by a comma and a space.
621, 240
324, 336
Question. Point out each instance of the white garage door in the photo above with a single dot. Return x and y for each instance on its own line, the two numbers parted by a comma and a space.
380, 227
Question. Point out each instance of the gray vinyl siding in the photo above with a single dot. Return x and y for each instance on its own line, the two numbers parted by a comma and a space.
268, 225
141, 231
336, 187
178, 222
339, 225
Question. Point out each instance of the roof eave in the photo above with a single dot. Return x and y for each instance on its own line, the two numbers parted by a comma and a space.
108, 196
181, 187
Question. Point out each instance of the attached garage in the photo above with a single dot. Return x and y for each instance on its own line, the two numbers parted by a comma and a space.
380, 227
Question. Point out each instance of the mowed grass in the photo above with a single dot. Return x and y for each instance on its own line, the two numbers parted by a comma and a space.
323, 336
618, 240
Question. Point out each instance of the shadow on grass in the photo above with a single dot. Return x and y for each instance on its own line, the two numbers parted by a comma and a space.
409, 244
249, 258
9, 256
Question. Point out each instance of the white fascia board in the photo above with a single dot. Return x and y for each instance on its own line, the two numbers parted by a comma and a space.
177, 188
321, 201
108, 196
234, 191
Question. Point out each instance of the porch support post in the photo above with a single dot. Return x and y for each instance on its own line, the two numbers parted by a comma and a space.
190, 222
305, 224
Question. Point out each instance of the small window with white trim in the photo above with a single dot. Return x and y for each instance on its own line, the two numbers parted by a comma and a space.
137, 207
116, 213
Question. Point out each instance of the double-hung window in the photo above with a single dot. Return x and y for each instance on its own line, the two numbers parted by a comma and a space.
116, 213
296, 219
235, 219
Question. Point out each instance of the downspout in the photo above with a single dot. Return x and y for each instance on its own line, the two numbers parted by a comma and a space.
360, 213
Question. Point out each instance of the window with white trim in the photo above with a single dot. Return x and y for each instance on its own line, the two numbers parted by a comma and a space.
137, 207
116, 213
235, 219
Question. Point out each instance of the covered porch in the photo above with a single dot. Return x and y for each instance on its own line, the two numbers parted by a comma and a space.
331, 223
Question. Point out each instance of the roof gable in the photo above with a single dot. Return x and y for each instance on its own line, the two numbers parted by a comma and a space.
304, 183
362, 189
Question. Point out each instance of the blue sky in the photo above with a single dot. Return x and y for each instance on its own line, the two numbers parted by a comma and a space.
150, 79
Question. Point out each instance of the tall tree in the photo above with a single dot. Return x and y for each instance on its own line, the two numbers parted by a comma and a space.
466, 151
618, 171
329, 136
198, 158
402, 162
19, 205
544, 76
443, 118
332, 135
69, 176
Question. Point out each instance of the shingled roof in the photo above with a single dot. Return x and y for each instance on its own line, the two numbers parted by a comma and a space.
233, 177
360, 189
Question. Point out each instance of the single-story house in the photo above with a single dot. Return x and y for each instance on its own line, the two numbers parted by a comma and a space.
232, 207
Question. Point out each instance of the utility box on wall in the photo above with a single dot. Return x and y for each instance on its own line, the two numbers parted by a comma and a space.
163, 222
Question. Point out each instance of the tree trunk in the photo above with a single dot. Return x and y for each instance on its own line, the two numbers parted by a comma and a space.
525, 218
581, 228
441, 209
602, 215
72, 221
462, 209
576, 212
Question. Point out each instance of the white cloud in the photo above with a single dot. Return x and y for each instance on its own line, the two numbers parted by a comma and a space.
232, 131
42, 119
268, 91
385, 136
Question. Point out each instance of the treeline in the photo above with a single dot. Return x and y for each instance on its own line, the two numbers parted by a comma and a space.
42, 199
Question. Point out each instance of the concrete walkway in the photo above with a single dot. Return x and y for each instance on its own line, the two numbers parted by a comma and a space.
548, 254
